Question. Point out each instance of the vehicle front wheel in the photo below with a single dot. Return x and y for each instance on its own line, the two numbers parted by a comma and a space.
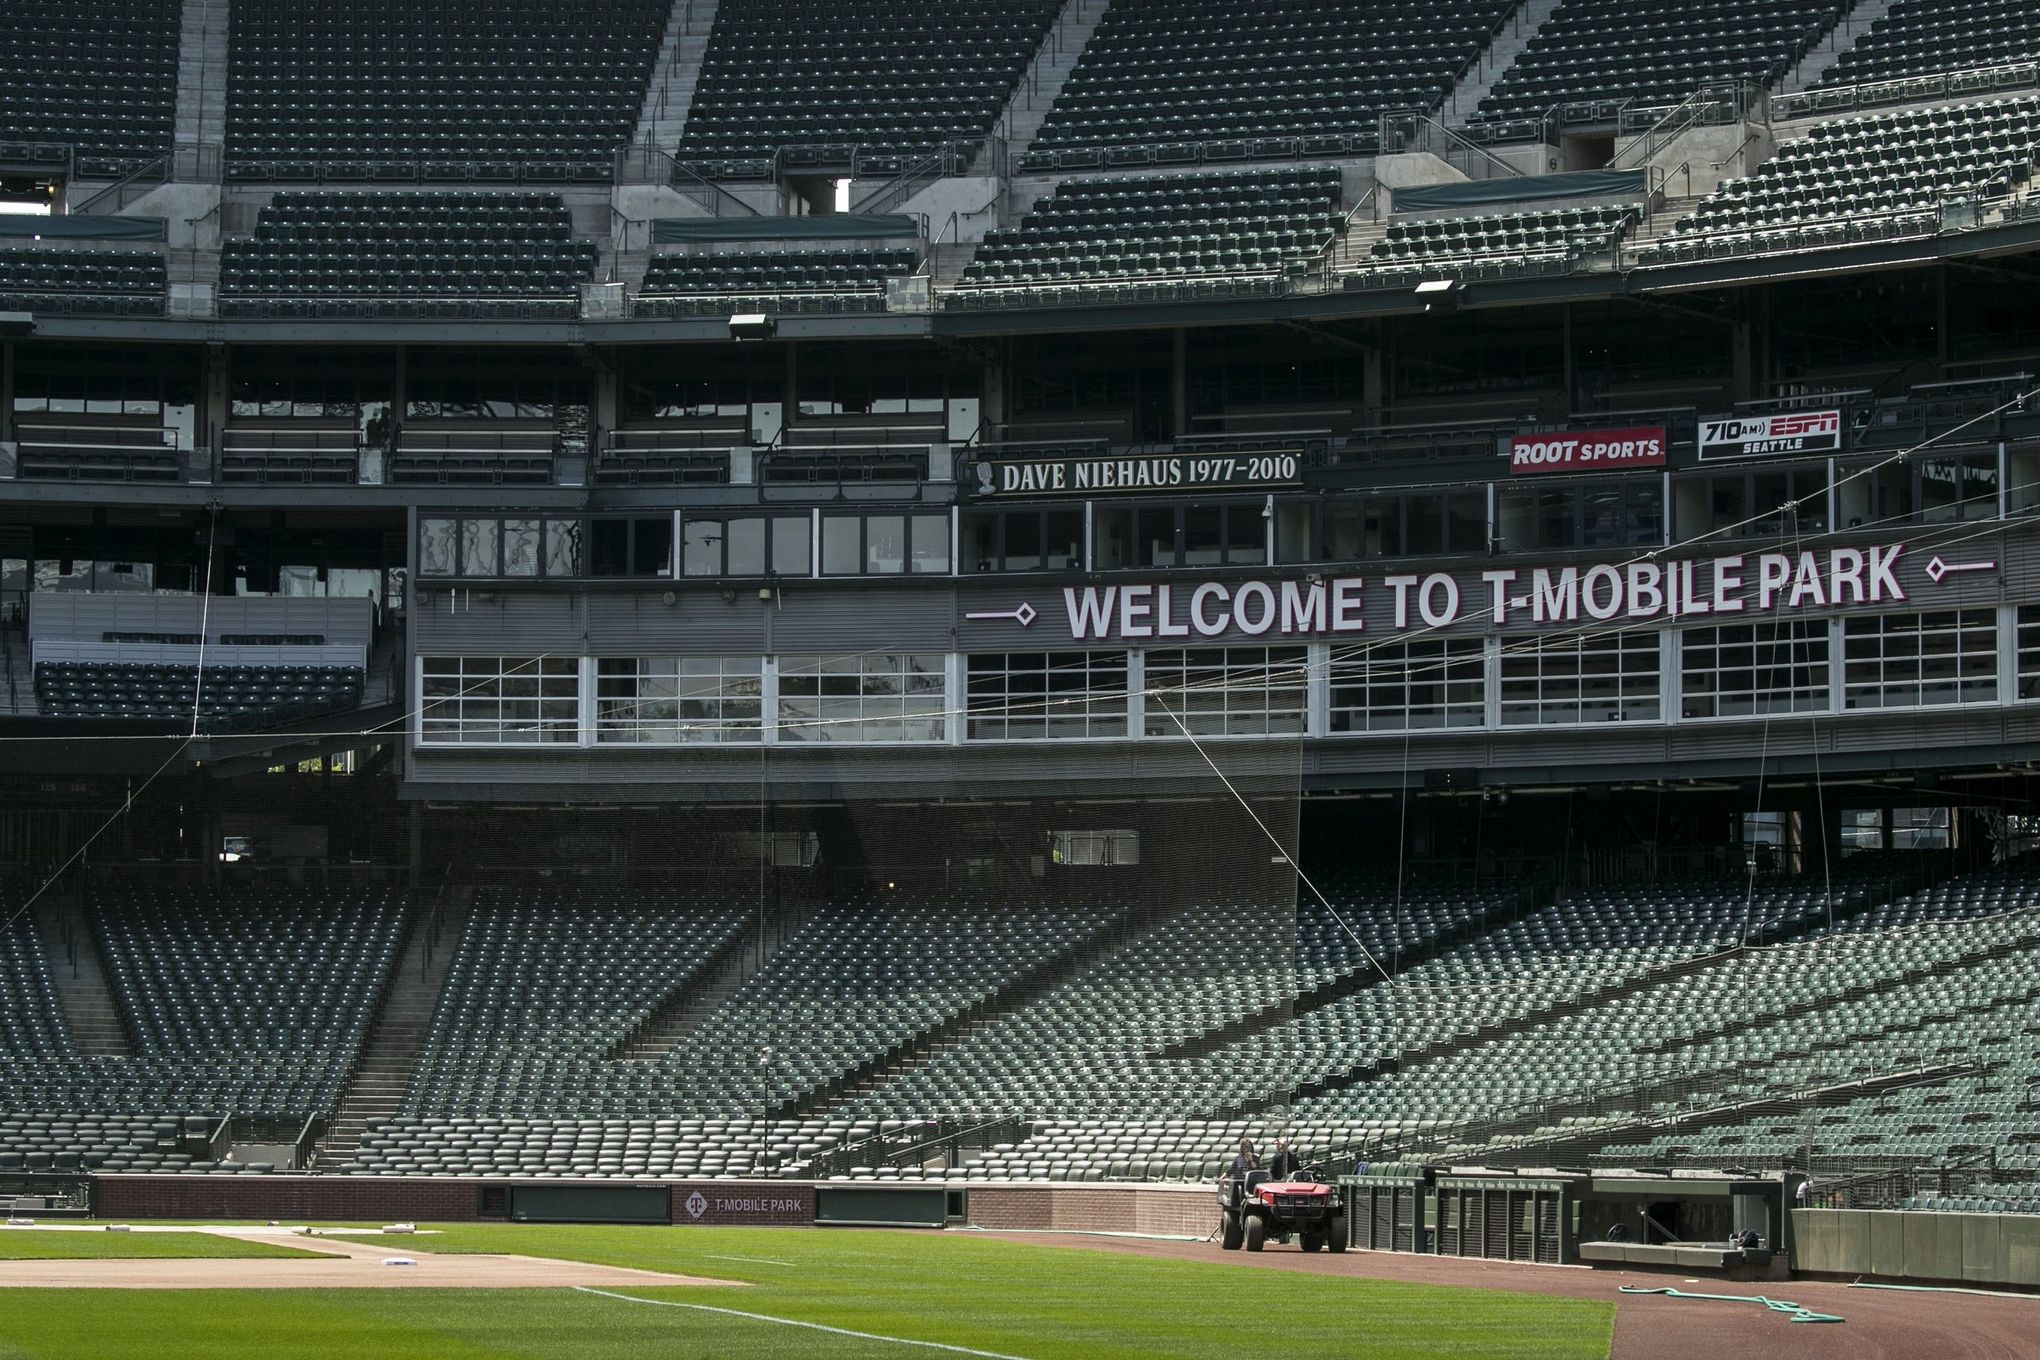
1257, 1233
1229, 1234
1335, 1235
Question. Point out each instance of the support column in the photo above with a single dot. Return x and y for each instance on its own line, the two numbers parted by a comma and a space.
1373, 387
212, 422
1179, 383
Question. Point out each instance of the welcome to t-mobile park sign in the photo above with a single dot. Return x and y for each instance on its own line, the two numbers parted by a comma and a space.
1731, 585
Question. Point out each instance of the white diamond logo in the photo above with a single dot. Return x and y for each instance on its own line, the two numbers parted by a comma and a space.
696, 1205
1025, 614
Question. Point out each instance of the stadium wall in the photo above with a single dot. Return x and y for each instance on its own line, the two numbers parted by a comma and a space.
1167, 1210
1965, 1248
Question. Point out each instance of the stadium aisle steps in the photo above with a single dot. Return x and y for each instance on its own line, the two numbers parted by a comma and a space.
689, 1005
375, 1088
83, 993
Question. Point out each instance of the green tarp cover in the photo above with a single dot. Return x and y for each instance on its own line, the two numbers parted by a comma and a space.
823, 227
1482, 193
83, 227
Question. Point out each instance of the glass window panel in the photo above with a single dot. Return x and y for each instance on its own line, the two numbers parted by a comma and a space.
481, 547
701, 547
746, 545
792, 546
563, 547
930, 543
436, 540
842, 546
520, 547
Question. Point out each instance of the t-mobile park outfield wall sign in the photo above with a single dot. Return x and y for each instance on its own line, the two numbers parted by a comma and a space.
1758, 584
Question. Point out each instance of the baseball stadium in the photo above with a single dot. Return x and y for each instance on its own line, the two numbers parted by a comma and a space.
1034, 679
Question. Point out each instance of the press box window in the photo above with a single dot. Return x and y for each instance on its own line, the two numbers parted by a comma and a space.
885, 545
493, 546
1023, 540
634, 546
1231, 533
747, 545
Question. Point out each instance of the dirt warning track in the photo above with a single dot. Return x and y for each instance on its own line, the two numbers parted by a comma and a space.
1877, 1324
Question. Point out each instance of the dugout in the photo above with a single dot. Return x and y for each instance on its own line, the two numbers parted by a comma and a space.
1385, 1207
1687, 1221
1500, 1216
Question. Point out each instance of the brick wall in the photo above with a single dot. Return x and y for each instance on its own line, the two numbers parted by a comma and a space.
1179, 1211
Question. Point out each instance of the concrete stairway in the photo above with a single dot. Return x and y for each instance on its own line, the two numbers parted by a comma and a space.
1046, 74
1661, 224
675, 74
698, 998
1838, 40
375, 1089
84, 993
201, 114
1356, 243
1479, 80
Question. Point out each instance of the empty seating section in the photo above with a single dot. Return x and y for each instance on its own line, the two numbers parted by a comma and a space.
1761, 1024
1897, 167
1449, 244
1174, 1149
715, 285
99, 76
30, 1026
639, 1148
1915, 37
1593, 57
1167, 81
1163, 227
230, 697
237, 1002
864, 977
873, 84
543, 986
514, 88
437, 253
128, 283
1138, 1035
1694, 1020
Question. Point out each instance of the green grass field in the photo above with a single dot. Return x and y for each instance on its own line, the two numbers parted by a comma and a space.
99, 1246
976, 1294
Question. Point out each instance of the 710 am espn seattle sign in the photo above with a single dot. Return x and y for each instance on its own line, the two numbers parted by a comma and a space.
1730, 585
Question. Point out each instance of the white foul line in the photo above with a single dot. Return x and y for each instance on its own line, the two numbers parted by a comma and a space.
791, 1322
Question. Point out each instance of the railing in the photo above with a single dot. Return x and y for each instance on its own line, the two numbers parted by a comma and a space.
2023, 75
418, 170
951, 158
1709, 106
1417, 130
1226, 151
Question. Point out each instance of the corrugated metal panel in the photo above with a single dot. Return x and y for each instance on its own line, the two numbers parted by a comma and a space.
819, 620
